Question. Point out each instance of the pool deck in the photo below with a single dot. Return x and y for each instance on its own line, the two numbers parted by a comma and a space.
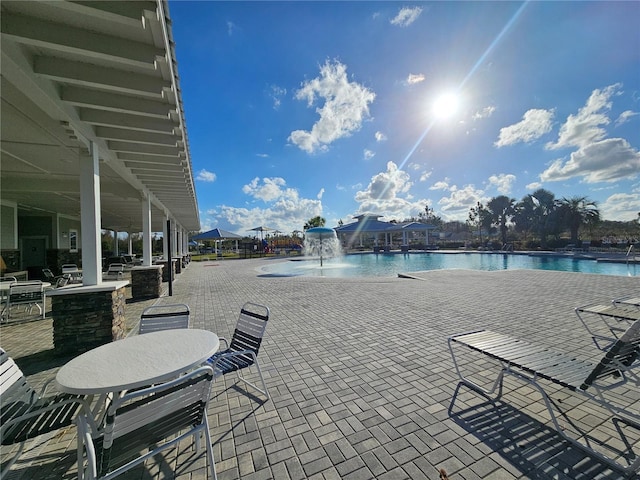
361, 378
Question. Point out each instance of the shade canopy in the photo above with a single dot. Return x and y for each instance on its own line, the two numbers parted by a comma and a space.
262, 229
216, 234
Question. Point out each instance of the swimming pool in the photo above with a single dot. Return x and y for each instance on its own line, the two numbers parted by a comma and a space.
389, 265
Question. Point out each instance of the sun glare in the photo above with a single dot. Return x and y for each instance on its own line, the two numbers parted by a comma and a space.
445, 105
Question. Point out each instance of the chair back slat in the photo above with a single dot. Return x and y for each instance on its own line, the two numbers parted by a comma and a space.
250, 328
164, 317
620, 357
180, 403
15, 391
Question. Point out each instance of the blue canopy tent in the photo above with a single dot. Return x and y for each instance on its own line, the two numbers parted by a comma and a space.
217, 234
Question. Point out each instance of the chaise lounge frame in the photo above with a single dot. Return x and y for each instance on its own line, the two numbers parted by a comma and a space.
530, 363
615, 317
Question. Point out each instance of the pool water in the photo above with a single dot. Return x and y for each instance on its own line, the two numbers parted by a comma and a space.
389, 265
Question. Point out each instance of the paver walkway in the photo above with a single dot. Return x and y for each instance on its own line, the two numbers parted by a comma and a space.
361, 378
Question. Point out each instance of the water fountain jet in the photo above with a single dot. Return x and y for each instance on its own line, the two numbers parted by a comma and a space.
321, 241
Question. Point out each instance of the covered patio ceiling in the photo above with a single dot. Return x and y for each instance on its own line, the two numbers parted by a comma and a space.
103, 72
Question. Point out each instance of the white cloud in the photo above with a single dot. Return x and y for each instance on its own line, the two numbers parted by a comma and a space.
231, 27
585, 127
267, 191
534, 124
502, 182
206, 176
625, 117
276, 93
380, 137
285, 210
440, 185
425, 175
368, 154
608, 160
415, 78
622, 207
320, 194
346, 105
406, 16
533, 186
486, 112
388, 194
456, 206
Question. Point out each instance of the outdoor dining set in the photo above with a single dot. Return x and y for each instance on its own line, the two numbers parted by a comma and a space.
136, 397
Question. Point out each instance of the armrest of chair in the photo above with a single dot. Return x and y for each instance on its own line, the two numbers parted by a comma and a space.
52, 404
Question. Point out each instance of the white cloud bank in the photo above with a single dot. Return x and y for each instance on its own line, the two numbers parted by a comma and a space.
346, 105
388, 194
585, 127
283, 208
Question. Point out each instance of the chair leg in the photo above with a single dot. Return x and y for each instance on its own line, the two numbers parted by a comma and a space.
262, 390
497, 385
212, 463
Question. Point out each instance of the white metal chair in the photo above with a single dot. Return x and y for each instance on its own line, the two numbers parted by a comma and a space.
143, 423
30, 294
164, 317
242, 352
26, 414
72, 272
49, 276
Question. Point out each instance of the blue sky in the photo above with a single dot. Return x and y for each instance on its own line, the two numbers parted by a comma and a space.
298, 109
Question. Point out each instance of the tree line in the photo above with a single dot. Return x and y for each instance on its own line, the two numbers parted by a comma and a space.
539, 218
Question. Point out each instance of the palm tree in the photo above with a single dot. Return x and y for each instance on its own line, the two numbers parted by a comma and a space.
502, 210
545, 206
577, 212
316, 221
479, 218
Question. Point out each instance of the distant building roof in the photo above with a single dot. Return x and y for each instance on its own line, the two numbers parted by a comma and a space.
369, 223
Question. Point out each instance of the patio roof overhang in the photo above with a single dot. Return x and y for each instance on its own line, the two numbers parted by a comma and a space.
77, 74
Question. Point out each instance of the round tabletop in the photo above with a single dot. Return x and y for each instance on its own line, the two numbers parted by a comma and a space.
137, 361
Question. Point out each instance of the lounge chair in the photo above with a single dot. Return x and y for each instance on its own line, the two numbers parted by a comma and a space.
243, 350
533, 363
627, 301
606, 322
115, 270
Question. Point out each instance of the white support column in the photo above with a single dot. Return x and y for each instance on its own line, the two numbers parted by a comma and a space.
116, 248
90, 218
130, 243
147, 251
178, 238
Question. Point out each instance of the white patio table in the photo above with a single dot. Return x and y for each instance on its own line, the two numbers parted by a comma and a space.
137, 361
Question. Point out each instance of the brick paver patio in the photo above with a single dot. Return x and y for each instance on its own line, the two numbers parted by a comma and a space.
361, 379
